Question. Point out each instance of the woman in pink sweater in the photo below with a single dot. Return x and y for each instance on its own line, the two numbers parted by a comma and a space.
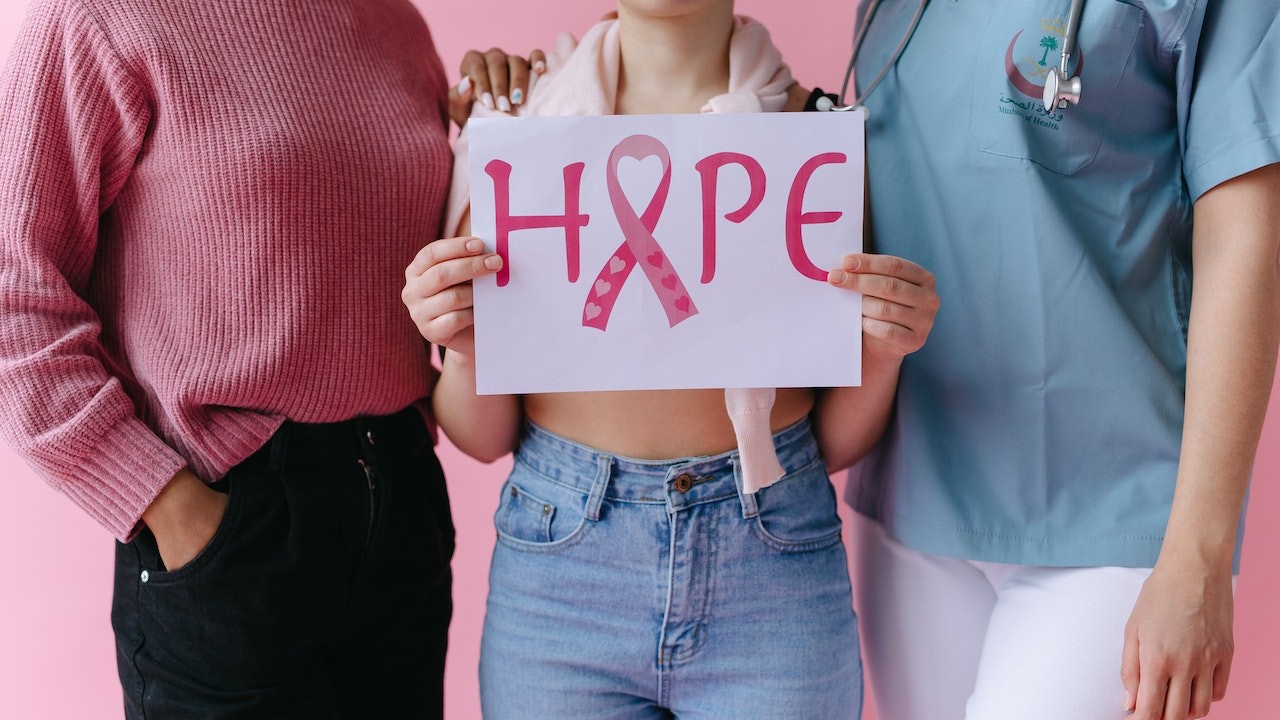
645, 568
205, 209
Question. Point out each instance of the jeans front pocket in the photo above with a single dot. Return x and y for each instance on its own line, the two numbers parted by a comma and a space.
798, 513
208, 556
524, 516
218, 624
537, 513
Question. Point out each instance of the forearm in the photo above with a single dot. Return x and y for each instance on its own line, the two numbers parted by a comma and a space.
1231, 361
849, 421
486, 427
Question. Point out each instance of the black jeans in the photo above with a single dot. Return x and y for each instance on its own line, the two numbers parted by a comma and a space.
324, 594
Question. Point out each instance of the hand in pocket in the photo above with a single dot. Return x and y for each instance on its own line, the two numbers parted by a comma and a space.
184, 518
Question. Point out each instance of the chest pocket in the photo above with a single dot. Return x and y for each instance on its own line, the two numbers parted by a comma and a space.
1021, 43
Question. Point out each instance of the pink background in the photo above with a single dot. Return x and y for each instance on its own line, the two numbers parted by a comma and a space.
56, 654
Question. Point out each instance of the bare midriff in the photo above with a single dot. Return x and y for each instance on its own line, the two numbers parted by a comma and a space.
654, 424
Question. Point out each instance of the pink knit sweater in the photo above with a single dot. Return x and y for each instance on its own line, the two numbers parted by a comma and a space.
206, 209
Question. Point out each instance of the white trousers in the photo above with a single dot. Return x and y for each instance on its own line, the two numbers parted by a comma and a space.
951, 639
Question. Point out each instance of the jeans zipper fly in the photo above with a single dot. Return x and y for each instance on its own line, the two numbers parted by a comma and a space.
372, 483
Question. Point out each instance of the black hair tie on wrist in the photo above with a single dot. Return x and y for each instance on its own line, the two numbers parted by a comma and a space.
811, 105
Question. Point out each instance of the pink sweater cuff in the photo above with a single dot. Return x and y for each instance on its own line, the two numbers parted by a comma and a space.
121, 477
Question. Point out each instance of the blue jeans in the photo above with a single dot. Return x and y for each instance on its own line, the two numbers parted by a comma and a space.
627, 589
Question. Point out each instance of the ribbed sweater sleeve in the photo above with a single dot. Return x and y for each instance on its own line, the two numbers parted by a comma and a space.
73, 118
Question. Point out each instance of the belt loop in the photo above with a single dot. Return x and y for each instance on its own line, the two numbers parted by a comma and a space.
604, 468
748, 500
279, 448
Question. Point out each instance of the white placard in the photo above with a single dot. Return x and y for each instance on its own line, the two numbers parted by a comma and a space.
667, 251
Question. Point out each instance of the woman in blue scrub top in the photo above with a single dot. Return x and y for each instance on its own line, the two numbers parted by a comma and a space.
1052, 526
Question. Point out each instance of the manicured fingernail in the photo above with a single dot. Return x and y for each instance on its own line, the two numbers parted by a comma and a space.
487, 100
493, 262
539, 67
464, 85
504, 104
475, 245
836, 277
517, 96
851, 262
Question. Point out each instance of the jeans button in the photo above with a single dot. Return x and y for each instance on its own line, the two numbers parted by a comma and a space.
684, 481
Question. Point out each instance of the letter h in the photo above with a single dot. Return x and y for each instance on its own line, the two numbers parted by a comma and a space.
505, 223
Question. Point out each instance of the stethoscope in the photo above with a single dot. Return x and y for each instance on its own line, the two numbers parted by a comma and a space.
1060, 87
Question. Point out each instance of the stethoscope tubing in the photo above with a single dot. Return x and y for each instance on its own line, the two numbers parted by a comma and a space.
859, 38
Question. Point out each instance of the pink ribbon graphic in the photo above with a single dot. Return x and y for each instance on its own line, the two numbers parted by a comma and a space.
638, 243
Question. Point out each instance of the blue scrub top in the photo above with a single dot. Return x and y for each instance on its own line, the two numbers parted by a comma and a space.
1041, 423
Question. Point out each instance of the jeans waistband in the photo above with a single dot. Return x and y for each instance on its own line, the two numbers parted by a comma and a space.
313, 444
678, 482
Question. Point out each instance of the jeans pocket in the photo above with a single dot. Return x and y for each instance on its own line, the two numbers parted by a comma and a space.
208, 556
798, 513
536, 513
